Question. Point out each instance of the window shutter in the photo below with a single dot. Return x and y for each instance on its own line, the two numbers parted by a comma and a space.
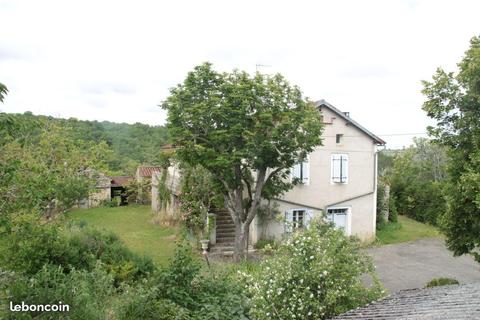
306, 171
288, 221
308, 218
344, 168
296, 171
336, 168
339, 168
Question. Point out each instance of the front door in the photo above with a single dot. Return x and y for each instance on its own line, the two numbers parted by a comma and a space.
339, 216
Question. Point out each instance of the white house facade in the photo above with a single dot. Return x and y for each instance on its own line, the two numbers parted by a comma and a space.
339, 181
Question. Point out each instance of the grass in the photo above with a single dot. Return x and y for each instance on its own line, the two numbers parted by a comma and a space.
133, 225
404, 230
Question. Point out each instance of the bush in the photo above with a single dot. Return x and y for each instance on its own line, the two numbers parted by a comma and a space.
142, 303
393, 214
31, 244
86, 292
316, 274
441, 282
186, 290
381, 206
265, 242
87, 245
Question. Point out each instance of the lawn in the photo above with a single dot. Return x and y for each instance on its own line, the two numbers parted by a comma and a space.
133, 225
404, 230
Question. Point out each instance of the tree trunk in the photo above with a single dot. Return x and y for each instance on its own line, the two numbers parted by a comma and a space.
242, 232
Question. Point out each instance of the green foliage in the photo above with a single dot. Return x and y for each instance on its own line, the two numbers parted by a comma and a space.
404, 230
234, 124
32, 244
441, 282
3, 92
123, 146
393, 211
138, 191
262, 243
46, 172
198, 196
164, 193
185, 290
417, 181
86, 292
315, 275
382, 205
453, 100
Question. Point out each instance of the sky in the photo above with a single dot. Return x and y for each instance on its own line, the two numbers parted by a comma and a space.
116, 60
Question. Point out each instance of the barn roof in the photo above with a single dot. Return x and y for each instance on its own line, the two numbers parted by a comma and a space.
445, 302
120, 181
147, 171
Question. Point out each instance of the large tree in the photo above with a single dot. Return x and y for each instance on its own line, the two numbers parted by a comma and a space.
247, 131
3, 91
453, 100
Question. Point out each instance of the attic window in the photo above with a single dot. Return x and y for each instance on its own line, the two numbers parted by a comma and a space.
338, 138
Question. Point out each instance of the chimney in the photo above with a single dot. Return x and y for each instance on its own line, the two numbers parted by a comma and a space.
347, 114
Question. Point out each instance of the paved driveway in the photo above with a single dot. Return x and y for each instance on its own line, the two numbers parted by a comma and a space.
412, 264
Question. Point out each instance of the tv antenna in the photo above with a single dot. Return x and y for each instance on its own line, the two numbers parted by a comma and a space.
259, 65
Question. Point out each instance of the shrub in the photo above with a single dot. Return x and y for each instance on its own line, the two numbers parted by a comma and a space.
441, 282
393, 214
86, 292
142, 303
264, 242
87, 245
186, 290
316, 274
31, 244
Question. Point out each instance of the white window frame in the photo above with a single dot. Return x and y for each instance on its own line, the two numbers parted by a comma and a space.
304, 181
348, 227
332, 181
307, 217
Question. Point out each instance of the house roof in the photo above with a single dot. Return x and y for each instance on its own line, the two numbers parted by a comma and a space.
146, 172
120, 181
445, 302
323, 103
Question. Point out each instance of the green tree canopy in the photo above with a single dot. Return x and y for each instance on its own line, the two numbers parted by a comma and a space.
3, 92
453, 100
247, 131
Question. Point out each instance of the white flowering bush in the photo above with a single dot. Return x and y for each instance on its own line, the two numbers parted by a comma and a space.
316, 274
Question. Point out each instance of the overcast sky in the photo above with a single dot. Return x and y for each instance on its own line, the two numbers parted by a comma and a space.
116, 60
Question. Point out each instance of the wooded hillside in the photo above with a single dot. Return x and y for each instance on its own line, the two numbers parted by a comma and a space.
129, 145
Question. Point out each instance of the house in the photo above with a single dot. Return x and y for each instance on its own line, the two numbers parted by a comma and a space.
445, 302
106, 189
339, 180
144, 175
118, 187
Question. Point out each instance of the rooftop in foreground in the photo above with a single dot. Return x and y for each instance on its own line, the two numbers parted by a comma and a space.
446, 302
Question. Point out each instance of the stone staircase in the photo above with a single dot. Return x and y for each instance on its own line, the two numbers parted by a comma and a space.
225, 233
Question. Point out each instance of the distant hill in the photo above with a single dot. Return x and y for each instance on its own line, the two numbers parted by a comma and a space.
132, 144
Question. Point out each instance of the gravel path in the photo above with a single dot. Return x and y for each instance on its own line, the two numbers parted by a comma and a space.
412, 264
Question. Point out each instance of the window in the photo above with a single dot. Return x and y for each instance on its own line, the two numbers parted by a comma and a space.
301, 171
339, 168
338, 138
339, 216
297, 219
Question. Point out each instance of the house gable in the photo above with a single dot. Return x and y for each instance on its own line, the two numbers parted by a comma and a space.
349, 121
